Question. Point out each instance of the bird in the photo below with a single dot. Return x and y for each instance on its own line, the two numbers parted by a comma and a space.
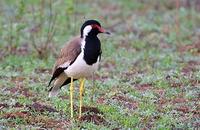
78, 60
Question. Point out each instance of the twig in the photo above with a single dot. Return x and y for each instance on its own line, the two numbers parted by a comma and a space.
32, 37
51, 27
177, 17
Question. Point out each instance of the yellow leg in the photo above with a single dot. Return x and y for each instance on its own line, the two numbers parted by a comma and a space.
81, 95
93, 89
71, 96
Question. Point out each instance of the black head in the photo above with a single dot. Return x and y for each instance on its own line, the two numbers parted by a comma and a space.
92, 27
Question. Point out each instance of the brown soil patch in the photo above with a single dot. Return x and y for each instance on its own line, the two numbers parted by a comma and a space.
176, 85
193, 63
3, 105
95, 118
143, 87
17, 104
126, 102
88, 109
183, 109
188, 69
19, 87
47, 123
194, 82
193, 48
17, 79
162, 101
14, 115
92, 115
179, 100
101, 100
40, 108
12, 90
91, 109
117, 129
22, 50
160, 92
39, 120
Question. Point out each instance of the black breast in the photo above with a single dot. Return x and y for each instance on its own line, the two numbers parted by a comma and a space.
92, 49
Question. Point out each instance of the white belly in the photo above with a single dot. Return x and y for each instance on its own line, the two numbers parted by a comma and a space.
79, 69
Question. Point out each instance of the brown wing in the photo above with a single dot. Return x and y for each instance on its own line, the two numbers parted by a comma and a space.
67, 56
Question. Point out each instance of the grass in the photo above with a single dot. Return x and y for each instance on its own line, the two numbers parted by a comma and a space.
148, 77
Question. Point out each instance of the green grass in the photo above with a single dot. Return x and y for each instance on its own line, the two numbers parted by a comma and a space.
148, 78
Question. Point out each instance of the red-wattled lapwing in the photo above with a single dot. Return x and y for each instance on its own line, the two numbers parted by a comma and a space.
78, 60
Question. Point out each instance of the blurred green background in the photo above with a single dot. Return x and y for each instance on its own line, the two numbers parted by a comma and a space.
149, 76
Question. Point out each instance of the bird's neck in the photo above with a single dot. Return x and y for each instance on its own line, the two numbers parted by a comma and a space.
91, 49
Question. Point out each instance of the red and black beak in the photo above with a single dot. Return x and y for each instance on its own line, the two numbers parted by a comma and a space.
101, 30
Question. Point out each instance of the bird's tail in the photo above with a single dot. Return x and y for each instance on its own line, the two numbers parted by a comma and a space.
54, 90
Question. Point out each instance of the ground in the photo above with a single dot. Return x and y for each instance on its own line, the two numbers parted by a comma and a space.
149, 74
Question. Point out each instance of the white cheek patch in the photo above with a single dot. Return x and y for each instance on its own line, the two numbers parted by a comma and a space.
86, 30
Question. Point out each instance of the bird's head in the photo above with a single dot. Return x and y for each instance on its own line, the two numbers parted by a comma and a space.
92, 27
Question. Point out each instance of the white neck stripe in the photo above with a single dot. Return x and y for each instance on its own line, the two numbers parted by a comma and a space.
86, 30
